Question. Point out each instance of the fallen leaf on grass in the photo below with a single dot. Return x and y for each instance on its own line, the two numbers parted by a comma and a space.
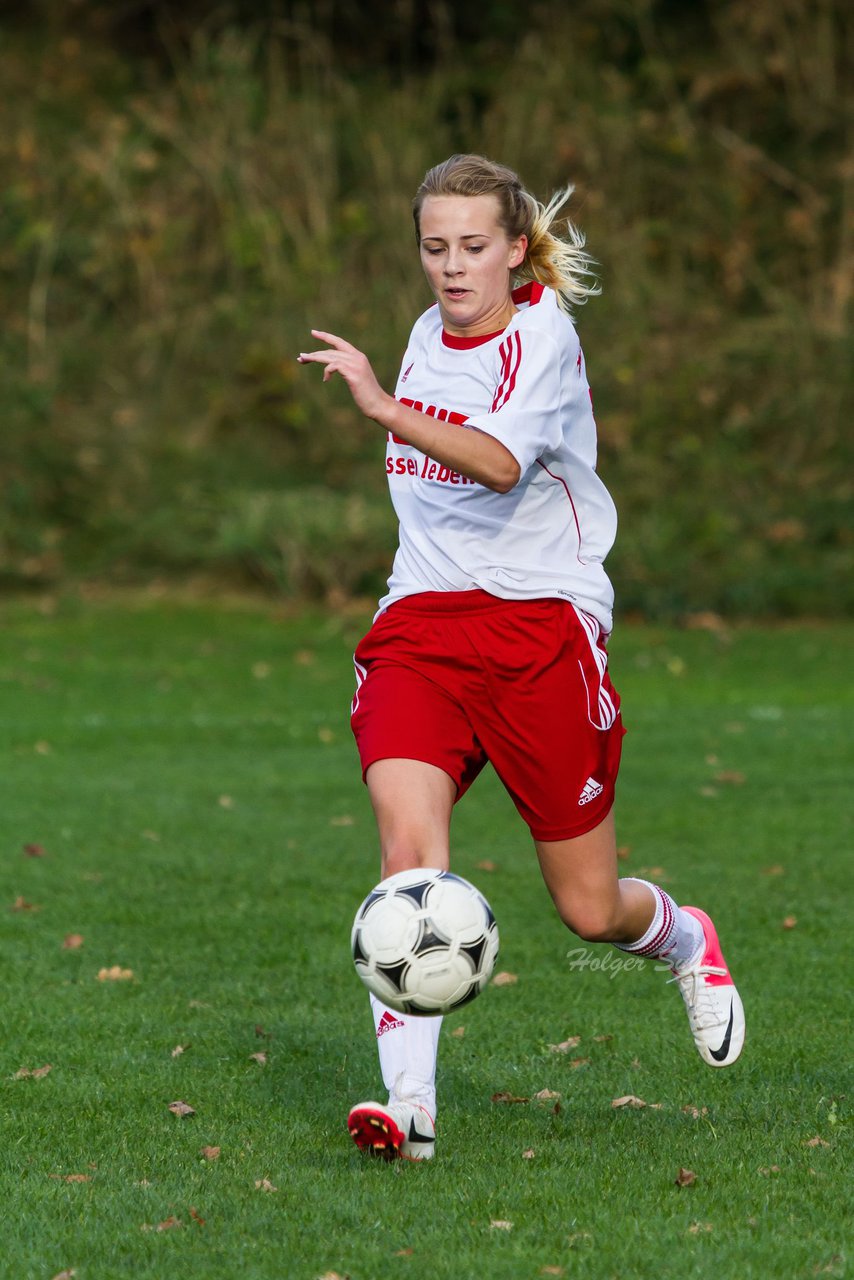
70, 1177
345, 820
260, 1058
182, 1109
695, 1112
72, 942
115, 974
34, 850
264, 1184
816, 1142
65, 1275
179, 1049
403, 1253
168, 1223
602, 1039
767, 1170
546, 1095
261, 1033
196, 1217
790, 922
579, 1062
211, 1153
696, 1227
508, 1097
501, 1224
834, 1266
38, 1073
458, 1033
529, 1154
552, 1271
332, 1275
21, 904
685, 1177
776, 870
731, 777
628, 1100
565, 1045
623, 851
486, 865
505, 980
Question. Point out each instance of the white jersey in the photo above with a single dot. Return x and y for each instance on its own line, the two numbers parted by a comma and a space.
527, 387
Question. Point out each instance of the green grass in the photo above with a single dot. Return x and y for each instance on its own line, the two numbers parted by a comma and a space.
189, 774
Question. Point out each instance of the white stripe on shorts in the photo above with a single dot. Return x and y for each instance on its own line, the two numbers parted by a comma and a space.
607, 712
361, 677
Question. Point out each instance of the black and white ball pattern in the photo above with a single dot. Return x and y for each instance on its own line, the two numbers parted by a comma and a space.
425, 941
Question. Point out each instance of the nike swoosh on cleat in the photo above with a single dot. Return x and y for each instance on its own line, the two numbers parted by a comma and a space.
721, 1053
415, 1136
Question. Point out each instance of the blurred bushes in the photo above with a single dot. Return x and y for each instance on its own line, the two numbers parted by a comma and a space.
182, 203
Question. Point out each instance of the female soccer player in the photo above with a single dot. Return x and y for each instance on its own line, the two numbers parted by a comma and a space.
490, 642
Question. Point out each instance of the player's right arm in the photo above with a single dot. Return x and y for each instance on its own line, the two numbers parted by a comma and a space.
472, 453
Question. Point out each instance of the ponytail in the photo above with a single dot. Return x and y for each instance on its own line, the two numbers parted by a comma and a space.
558, 260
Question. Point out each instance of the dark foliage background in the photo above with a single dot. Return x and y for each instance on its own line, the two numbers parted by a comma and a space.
186, 190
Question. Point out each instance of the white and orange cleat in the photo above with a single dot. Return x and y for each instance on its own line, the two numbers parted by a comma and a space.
393, 1130
714, 1007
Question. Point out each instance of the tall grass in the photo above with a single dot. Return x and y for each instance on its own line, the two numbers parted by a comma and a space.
172, 226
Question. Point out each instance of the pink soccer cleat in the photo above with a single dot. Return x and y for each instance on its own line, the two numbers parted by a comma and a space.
394, 1130
714, 1007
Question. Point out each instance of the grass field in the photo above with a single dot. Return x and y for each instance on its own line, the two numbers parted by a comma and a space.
181, 802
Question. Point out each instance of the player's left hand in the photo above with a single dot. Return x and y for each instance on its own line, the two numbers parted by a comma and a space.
353, 366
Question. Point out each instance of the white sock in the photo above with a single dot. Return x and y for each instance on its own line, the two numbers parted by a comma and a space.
408, 1047
674, 935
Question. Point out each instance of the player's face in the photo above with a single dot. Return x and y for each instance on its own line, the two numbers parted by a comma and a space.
468, 259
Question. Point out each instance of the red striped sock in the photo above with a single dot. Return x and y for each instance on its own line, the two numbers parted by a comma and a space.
673, 935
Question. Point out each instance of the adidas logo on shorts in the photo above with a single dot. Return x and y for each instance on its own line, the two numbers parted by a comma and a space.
591, 790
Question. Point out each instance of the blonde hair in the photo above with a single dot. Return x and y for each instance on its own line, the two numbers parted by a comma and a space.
555, 256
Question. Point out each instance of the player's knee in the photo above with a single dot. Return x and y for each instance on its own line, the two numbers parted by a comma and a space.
404, 851
590, 921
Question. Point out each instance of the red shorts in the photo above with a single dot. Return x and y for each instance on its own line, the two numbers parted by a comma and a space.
461, 678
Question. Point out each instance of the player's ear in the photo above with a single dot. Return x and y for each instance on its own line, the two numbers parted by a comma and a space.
518, 249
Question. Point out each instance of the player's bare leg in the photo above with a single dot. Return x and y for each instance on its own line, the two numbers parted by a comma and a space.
412, 803
639, 917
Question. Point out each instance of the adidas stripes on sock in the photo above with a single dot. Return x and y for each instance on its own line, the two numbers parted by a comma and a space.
408, 1047
674, 935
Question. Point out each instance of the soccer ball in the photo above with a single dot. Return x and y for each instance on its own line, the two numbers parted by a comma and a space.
425, 941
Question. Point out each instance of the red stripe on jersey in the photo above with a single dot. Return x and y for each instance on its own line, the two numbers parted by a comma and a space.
518, 340
561, 480
504, 352
511, 360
